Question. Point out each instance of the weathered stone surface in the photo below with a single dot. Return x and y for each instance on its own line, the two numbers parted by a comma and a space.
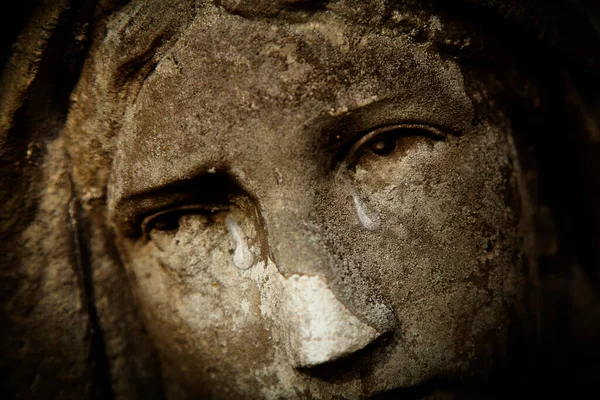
297, 199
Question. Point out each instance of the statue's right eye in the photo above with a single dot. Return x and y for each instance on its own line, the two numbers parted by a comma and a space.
166, 222
189, 238
169, 220
186, 240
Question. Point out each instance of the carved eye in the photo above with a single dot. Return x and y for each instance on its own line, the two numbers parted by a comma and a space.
391, 141
189, 238
384, 146
168, 221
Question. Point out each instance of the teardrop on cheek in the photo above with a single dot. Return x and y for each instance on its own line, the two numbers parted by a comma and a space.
242, 256
368, 218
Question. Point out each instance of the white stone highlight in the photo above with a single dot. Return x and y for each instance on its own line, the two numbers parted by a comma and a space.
314, 326
319, 327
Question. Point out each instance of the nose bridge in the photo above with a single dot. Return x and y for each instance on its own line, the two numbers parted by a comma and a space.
282, 172
294, 237
318, 326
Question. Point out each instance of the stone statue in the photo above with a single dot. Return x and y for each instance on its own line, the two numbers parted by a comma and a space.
275, 200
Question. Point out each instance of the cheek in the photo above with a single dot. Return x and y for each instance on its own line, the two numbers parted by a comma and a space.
445, 254
199, 306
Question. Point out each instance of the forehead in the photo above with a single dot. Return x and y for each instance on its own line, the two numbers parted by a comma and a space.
238, 89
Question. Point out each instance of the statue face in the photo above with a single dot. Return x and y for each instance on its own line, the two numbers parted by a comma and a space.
310, 209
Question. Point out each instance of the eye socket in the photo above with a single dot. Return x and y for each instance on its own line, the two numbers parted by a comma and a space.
168, 220
384, 141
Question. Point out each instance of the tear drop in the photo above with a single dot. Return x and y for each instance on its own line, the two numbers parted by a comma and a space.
367, 218
242, 256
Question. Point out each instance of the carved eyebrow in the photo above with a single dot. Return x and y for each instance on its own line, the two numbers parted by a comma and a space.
254, 9
343, 130
206, 188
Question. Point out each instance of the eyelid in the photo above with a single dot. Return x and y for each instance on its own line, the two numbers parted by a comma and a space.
201, 191
354, 151
147, 223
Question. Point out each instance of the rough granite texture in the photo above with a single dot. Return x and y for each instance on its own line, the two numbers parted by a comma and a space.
279, 199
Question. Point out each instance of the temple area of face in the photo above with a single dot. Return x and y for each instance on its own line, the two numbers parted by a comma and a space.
175, 127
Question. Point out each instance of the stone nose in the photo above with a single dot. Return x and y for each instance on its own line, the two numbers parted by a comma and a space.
318, 325
319, 328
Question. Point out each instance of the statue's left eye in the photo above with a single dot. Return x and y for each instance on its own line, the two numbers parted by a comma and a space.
391, 141
384, 146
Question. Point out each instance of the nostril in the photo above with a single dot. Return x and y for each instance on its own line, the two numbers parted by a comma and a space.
348, 364
320, 329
